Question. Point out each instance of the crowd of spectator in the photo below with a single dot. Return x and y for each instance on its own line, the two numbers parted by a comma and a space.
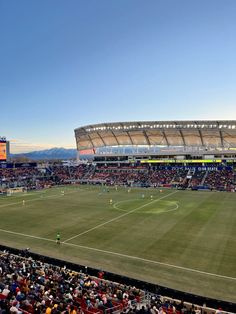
32, 286
224, 179
19, 177
24, 175
33, 178
167, 177
137, 175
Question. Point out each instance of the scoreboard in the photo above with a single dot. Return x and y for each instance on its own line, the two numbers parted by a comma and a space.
3, 150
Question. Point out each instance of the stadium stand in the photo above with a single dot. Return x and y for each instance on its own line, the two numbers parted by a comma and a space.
32, 285
221, 178
29, 286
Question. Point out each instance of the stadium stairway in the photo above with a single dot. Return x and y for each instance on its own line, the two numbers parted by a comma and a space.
204, 178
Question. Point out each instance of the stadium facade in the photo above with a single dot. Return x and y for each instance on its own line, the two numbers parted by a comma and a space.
158, 140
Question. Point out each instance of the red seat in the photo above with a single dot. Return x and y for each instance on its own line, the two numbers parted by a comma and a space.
2, 296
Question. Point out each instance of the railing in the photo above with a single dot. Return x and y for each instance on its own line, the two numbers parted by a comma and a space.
113, 310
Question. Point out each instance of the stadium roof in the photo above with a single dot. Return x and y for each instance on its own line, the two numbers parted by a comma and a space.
220, 133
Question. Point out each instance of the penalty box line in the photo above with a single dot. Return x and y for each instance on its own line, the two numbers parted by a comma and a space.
125, 256
36, 199
118, 217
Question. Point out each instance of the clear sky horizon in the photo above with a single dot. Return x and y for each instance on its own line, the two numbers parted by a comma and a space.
65, 64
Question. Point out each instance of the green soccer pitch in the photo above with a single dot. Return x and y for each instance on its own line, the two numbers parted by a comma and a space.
180, 239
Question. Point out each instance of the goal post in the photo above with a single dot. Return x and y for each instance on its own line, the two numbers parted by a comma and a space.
11, 191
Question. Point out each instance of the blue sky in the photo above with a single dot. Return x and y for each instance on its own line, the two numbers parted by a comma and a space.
64, 64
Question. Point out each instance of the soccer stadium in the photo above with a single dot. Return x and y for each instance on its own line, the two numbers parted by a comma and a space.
144, 221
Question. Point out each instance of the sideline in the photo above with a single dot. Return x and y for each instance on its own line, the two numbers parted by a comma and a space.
124, 255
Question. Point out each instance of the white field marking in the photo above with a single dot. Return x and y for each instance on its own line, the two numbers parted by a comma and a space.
150, 261
37, 199
118, 217
166, 211
124, 201
124, 255
135, 199
26, 235
22, 194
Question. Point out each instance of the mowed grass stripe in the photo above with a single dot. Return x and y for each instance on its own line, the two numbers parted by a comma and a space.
118, 217
207, 233
123, 255
215, 225
200, 235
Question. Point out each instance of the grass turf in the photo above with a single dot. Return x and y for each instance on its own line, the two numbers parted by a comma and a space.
180, 239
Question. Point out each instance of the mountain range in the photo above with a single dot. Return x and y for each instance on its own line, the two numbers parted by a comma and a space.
53, 153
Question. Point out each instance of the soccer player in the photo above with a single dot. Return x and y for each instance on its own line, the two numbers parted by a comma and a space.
151, 197
58, 238
111, 201
23, 202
